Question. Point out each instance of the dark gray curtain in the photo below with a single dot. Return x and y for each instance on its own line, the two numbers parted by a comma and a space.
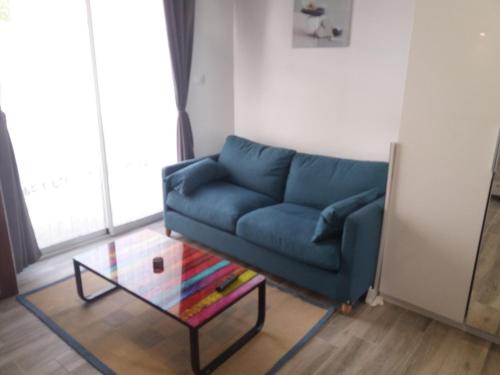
24, 245
179, 15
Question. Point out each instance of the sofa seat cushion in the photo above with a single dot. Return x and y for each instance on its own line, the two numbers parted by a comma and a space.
219, 204
287, 229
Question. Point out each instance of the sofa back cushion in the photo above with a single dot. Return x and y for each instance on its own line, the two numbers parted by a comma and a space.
319, 181
331, 220
190, 178
258, 167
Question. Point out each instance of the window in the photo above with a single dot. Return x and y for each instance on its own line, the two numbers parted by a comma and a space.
92, 120
137, 103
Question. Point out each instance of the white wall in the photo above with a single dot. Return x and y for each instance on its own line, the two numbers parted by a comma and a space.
334, 101
210, 104
451, 115
348, 102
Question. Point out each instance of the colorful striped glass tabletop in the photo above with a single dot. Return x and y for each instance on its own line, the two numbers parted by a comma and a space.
185, 289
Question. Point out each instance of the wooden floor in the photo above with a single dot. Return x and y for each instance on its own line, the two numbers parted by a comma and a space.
380, 340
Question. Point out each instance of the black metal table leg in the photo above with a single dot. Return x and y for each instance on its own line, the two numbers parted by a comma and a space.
238, 344
79, 286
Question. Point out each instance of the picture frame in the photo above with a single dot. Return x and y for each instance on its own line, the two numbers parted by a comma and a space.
321, 23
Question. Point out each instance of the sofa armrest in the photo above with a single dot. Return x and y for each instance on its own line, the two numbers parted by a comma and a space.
360, 247
168, 170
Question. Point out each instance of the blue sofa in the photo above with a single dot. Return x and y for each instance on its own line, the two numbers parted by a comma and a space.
264, 212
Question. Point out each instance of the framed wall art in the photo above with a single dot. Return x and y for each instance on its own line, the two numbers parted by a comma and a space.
322, 23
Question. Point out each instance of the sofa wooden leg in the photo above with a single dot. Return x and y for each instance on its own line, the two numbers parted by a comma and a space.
168, 232
346, 309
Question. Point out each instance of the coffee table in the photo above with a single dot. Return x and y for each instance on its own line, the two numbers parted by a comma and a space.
184, 291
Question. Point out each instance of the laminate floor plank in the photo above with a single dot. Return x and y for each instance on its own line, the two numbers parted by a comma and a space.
432, 351
316, 352
392, 354
492, 363
70, 360
345, 360
467, 354
10, 368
